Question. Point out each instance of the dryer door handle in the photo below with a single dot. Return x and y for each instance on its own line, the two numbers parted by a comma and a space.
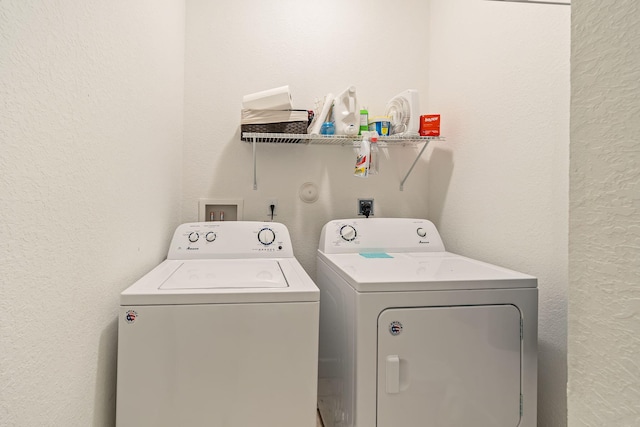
393, 374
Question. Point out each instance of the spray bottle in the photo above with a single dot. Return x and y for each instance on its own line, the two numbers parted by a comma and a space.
362, 161
374, 156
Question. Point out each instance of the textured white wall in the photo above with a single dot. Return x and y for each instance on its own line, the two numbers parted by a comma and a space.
498, 189
91, 131
91, 138
604, 242
240, 47
499, 74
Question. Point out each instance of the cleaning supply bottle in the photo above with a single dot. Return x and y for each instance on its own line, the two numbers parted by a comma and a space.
374, 155
321, 117
364, 120
345, 114
362, 161
329, 126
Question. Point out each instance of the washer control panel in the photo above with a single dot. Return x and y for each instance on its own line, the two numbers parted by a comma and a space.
380, 235
232, 239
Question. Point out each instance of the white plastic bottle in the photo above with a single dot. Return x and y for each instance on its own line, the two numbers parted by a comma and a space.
374, 156
362, 161
346, 117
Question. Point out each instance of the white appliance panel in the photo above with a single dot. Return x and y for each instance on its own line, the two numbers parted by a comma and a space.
223, 333
230, 239
215, 274
422, 271
294, 284
218, 365
449, 366
379, 235
366, 267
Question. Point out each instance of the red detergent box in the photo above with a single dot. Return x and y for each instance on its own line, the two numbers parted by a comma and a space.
430, 125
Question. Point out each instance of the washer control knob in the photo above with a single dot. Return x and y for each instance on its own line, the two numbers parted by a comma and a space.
266, 236
210, 236
421, 232
348, 233
193, 237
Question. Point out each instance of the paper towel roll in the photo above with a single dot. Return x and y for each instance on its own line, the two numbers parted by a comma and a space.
277, 98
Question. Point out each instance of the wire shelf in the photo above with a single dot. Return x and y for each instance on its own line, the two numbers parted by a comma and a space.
288, 138
352, 141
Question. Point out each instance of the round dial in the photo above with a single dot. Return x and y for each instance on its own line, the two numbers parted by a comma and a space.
193, 237
348, 233
210, 236
421, 232
266, 236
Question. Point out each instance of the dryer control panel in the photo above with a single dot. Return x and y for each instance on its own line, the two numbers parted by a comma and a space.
380, 235
232, 239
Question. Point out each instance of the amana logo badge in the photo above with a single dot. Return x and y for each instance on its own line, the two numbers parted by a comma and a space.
131, 316
395, 328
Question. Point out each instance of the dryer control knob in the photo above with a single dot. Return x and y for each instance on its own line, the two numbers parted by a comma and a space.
210, 236
348, 233
421, 232
193, 237
266, 236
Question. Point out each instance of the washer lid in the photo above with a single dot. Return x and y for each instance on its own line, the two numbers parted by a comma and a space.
233, 273
222, 281
392, 272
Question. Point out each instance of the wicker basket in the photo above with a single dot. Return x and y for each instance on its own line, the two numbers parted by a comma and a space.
282, 127
290, 122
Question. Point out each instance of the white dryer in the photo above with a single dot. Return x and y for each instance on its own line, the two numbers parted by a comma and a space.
223, 333
412, 335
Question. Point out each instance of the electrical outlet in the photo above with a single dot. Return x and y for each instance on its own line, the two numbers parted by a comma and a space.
365, 207
273, 202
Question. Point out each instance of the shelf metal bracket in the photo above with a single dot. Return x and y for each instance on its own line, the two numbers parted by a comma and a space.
255, 176
413, 165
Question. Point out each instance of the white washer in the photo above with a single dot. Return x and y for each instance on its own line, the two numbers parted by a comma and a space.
413, 335
223, 333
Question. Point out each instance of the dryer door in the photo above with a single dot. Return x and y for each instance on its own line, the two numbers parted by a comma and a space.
449, 366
